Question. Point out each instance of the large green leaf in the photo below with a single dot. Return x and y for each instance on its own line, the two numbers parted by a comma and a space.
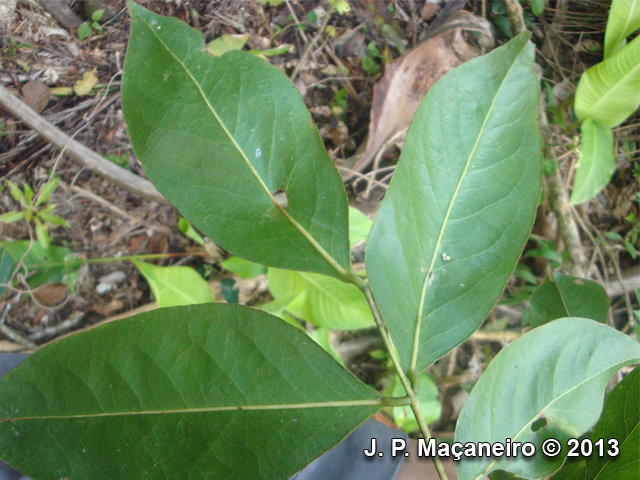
200, 392
597, 162
175, 286
321, 300
610, 90
219, 137
565, 296
620, 420
624, 19
460, 205
43, 265
557, 373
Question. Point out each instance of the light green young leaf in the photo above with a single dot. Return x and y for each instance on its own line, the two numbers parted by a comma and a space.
273, 3
610, 90
321, 336
597, 162
461, 204
41, 234
226, 43
557, 372
44, 265
537, 7
341, 6
429, 403
620, 420
624, 19
186, 228
174, 286
565, 296
84, 30
52, 219
359, 226
11, 217
324, 301
16, 193
45, 192
207, 391
248, 135
272, 52
243, 268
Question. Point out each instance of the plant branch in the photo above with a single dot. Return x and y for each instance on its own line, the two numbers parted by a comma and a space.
409, 381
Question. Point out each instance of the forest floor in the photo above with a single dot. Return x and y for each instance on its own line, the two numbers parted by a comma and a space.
335, 60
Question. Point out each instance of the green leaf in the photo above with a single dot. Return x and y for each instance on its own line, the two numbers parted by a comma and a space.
341, 6
321, 336
41, 234
610, 90
44, 265
52, 219
272, 52
210, 391
620, 420
461, 204
427, 396
558, 373
537, 7
186, 228
45, 192
6, 269
227, 43
243, 268
359, 226
16, 193
28, 193
11, 217
565, 296
273, 3
324, 301
97, 15
624, 19
230, 294
220, 136
597, 162
175, 286
84, 30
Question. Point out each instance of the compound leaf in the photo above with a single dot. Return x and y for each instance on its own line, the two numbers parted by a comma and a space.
461, 204
554, 375
219, 137
206, 391
565, 296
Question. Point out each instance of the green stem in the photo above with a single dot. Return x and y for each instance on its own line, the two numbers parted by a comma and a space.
410, 386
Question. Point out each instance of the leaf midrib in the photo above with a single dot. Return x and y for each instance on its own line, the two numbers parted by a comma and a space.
237, 408
617, 367
312, 241
423, 292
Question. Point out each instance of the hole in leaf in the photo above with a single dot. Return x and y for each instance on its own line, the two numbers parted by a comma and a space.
281, 198
539, 424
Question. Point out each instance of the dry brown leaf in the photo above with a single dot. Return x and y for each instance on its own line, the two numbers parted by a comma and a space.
397, 96
107, 309
50, 294
36, 94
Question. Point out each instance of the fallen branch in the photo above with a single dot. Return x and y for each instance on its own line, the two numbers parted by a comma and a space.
79, 152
